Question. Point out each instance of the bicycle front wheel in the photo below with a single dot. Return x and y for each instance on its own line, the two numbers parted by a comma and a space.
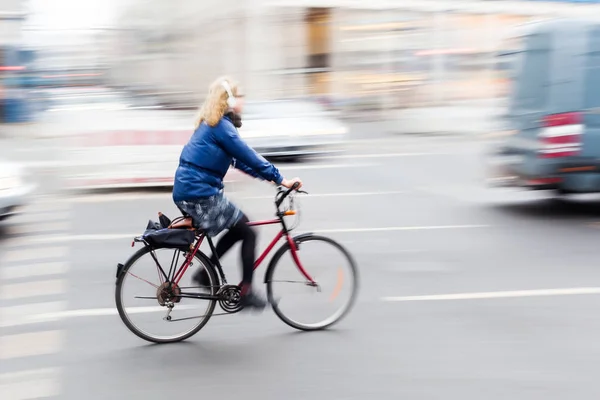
309, 307
159, 310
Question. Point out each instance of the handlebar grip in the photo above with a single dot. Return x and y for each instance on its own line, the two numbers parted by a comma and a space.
286, 193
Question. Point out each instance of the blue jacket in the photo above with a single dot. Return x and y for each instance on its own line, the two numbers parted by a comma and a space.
207, 156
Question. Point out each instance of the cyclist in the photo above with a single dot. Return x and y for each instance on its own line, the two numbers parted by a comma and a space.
198, 189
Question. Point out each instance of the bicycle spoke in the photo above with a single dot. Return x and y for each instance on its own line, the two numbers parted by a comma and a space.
337, 283
145, 297
142, 279
193, 307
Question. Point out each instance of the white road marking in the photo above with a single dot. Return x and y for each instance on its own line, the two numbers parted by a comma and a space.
30, 344
30, 254
32, 384
30, 313
32, 289
321, 195
99, 312
387, 155
325, 166
68, 163
121, 236
496, 295
398, 228
23, 271
167, 196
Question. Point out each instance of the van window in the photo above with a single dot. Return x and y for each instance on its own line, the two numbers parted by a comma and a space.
592, 72
531, 83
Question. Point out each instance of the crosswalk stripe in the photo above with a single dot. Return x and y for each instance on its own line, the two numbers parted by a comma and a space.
35, 254
31, 313
32, 289
32, 384
30, 344
31, 270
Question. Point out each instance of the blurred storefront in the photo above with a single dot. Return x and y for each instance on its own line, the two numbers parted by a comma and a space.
367, 54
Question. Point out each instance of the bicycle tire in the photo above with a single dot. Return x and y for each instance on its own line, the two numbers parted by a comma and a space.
201, 257
273, 265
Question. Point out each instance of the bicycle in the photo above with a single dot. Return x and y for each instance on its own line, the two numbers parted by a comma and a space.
169, 293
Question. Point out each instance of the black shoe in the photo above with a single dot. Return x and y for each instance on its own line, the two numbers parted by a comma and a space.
252, 300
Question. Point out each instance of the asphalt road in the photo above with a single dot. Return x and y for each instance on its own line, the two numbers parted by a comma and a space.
414, 214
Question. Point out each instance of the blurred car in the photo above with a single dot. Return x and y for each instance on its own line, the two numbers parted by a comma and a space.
14, 189
141, 148
291, 128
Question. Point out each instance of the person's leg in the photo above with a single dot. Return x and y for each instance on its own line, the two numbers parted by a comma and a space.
240, 231
249, 297
229, 239
248, 252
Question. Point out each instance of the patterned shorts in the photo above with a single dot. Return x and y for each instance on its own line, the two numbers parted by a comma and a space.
212, 214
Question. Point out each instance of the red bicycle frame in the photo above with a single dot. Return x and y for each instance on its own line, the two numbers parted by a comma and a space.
283, 232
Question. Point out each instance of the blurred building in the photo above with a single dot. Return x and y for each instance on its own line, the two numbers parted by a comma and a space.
12, 16
397, 52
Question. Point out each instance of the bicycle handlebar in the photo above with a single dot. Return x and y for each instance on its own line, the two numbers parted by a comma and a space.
283, 194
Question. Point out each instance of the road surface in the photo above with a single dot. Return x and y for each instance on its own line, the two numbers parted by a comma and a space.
511, 283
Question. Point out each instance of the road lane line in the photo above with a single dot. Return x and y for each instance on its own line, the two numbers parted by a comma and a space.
389, 155
30, 344
497, 295
30, 313
321, 195
325, 166
20, 255
162, 196
120, 236
31, 384
99, 312
31, 270
398, 228
32, 289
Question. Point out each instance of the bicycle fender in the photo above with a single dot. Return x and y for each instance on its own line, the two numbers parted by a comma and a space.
282, 249
119, 272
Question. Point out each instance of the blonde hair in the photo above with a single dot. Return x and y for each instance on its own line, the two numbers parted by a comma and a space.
215, 104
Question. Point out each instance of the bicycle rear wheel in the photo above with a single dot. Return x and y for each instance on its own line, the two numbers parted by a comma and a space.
318, 255
151, 295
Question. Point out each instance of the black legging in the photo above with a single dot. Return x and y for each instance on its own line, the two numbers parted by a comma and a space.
240, 231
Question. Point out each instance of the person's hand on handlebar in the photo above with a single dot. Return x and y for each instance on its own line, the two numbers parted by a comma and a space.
289, 183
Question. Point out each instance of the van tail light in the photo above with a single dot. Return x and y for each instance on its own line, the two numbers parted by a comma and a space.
561, 135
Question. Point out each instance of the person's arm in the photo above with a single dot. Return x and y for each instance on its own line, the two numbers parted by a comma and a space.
233, 144
237, 164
